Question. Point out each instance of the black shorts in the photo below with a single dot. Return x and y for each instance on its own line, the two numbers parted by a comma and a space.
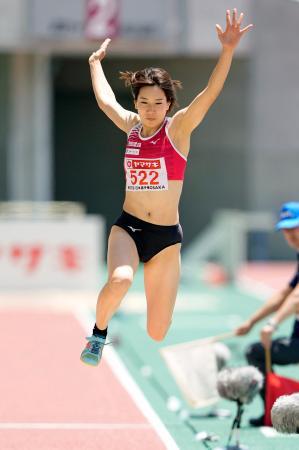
149, 238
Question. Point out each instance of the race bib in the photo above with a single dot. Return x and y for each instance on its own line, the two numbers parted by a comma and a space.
146, 174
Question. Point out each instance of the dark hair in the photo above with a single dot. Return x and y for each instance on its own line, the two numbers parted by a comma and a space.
152, 76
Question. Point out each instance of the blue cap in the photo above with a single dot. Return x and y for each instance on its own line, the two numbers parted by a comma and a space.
288, 216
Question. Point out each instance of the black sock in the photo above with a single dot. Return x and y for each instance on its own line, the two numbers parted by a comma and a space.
97, 332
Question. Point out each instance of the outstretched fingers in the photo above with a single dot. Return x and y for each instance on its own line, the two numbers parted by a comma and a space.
103, 47
105, 44
231, 36
240, 20
228, 18
219, 29
101, 52
244, 30
234, 21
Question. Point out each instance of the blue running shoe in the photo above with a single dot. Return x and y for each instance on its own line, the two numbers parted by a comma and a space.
93, 351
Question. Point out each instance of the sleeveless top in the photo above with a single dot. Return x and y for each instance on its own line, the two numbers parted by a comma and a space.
150, 162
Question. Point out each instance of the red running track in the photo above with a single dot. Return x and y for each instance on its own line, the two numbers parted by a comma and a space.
269, 275
50, 400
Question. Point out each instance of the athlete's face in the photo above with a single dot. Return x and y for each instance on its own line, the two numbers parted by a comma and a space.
292, 237
152, 105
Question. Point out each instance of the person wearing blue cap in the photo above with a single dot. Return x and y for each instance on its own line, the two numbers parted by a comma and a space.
282, 304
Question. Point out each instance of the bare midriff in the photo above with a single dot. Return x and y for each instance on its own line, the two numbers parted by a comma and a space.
160, 208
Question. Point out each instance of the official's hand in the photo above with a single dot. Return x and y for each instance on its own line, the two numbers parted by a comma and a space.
101, 53
266, 336
231, 36
243, 329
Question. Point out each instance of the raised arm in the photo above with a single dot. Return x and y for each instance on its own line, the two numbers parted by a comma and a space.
191, 116
105, 97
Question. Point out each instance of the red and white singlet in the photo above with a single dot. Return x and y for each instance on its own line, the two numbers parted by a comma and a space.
151, 162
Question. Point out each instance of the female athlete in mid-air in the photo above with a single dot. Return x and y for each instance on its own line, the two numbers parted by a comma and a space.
148, 229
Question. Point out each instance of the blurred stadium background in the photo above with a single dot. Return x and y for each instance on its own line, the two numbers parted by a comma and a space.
61, 175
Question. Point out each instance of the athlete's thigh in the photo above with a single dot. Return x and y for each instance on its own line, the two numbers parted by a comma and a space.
122, 257
161, 279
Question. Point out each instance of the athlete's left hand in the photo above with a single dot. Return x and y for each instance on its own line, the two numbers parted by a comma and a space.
231, 36
266, 336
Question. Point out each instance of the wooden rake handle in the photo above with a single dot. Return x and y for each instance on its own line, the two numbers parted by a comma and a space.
268, 360
220, 337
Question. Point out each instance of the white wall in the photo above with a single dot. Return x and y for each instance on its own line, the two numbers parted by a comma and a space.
273, 158
155, 27
29, 143
201, 18
13, 23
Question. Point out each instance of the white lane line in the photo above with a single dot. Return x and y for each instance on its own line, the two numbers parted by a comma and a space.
73, 426
122, 374
270, 432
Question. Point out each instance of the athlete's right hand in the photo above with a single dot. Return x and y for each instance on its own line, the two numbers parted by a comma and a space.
243, 329
101, 53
